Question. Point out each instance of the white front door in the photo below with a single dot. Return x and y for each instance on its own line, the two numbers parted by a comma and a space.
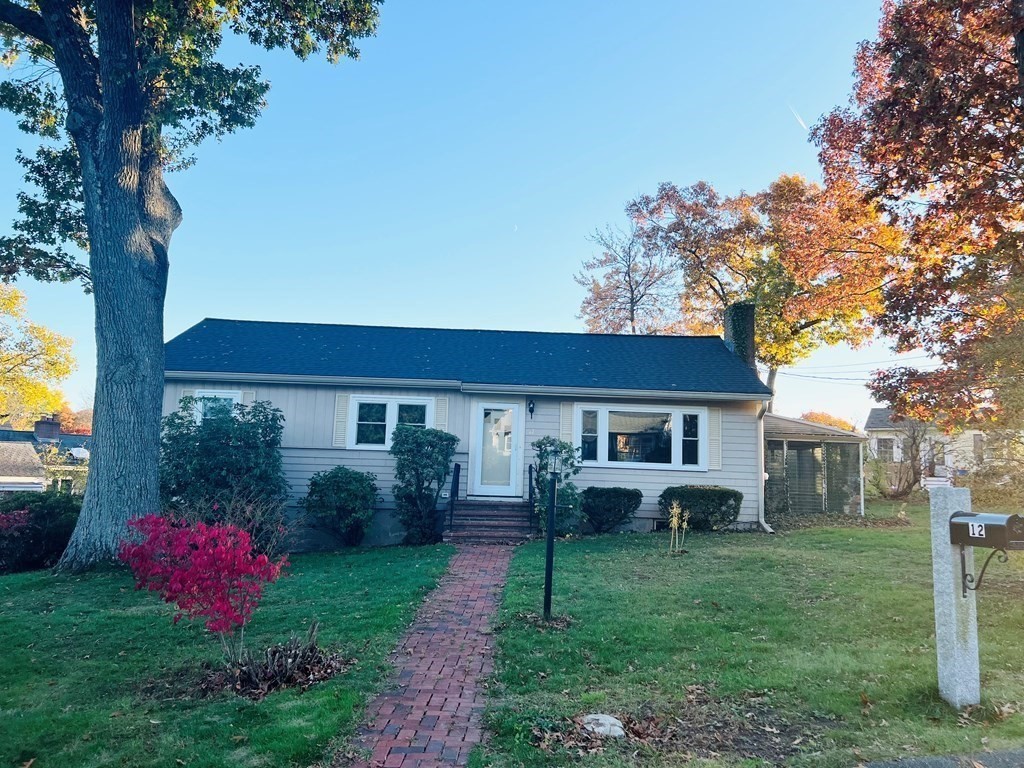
496, 449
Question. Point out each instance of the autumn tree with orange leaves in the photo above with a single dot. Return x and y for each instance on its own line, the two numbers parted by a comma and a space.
813, 259
934, 135
828, 420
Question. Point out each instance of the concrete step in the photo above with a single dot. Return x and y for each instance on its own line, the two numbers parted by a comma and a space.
480, 536
497, 517
516, 526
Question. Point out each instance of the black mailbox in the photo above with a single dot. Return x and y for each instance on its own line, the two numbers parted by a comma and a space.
983, 529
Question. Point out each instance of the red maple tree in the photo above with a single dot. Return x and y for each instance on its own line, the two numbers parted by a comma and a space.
934, 136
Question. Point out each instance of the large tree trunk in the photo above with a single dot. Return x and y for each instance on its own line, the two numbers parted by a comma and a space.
773, 374
123, 479
130, 215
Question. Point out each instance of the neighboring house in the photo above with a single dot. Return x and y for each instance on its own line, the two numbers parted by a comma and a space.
942, 455
20, 468
647, 411
812, 467
64, 457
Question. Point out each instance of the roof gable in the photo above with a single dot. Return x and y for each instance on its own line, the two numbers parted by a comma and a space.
19, 459
514, 358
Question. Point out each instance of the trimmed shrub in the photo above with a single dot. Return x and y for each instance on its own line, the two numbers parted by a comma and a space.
263, 518
551, 452
35, 528
423, 459
342, 500
711, 507
226, 468
608, 508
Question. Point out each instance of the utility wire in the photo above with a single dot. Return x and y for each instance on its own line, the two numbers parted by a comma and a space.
864, 363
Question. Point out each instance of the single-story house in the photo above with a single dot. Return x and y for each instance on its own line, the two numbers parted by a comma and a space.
942, 455
65, 456
20, 468
812, 468
646, 411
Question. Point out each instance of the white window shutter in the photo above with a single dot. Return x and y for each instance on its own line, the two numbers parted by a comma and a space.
248, 397
714, 438
565, 424
441, 414
340, 419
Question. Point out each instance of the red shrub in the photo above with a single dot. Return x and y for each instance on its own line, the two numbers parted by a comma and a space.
14, 532
208, 571
11, 523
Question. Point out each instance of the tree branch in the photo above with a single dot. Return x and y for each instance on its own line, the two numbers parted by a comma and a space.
79, 69
25, 20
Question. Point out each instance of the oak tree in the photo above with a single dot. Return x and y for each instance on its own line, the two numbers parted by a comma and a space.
632, 287
117, 92
813, 259
934, 135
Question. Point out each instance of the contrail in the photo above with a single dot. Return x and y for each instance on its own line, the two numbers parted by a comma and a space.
798, 118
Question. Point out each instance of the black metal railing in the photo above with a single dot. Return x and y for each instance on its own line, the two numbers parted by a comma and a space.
453, 495
534, 514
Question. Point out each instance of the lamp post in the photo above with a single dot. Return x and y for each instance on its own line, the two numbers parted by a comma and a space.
549, 563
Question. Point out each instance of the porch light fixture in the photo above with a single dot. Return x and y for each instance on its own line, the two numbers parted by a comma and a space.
530, 406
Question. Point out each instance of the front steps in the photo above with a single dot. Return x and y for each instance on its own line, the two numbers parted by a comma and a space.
479, 521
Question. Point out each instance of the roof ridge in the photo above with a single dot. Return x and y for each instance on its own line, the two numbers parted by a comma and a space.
464, 330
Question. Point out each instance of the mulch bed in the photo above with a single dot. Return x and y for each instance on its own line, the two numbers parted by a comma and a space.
788, 522
700, 726
294, 664
256, 681
535, 620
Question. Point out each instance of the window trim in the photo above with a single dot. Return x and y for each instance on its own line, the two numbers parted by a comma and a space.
677, 412
391, 418
234, 395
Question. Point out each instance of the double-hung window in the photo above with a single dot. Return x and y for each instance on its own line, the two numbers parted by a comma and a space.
885, 449
373, 419
207, 400
642, 436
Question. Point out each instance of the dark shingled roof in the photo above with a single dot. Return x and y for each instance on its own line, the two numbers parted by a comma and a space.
879, 418
20, 460
787, 428
524, 358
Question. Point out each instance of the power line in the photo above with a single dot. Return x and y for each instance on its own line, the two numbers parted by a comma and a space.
824, 378
864, 363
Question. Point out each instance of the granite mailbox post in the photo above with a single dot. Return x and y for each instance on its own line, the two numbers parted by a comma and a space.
956, 531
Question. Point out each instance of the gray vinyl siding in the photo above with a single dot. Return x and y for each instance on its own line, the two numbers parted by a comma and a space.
739, 459
307, 444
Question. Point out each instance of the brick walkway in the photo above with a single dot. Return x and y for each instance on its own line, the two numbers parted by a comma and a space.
432, 715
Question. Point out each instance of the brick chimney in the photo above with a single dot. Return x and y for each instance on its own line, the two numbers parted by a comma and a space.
47, 428
739, 331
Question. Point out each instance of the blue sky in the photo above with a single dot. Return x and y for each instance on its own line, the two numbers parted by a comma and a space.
450, 177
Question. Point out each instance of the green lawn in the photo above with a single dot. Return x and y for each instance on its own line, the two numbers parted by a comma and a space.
89, 668
829, 628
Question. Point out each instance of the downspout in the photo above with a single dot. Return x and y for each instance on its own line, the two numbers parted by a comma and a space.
760, 463
860, 471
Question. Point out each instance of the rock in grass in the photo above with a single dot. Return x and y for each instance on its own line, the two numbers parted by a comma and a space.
604, 725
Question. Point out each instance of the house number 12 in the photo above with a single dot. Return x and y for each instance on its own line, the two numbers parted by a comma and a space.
976, 530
